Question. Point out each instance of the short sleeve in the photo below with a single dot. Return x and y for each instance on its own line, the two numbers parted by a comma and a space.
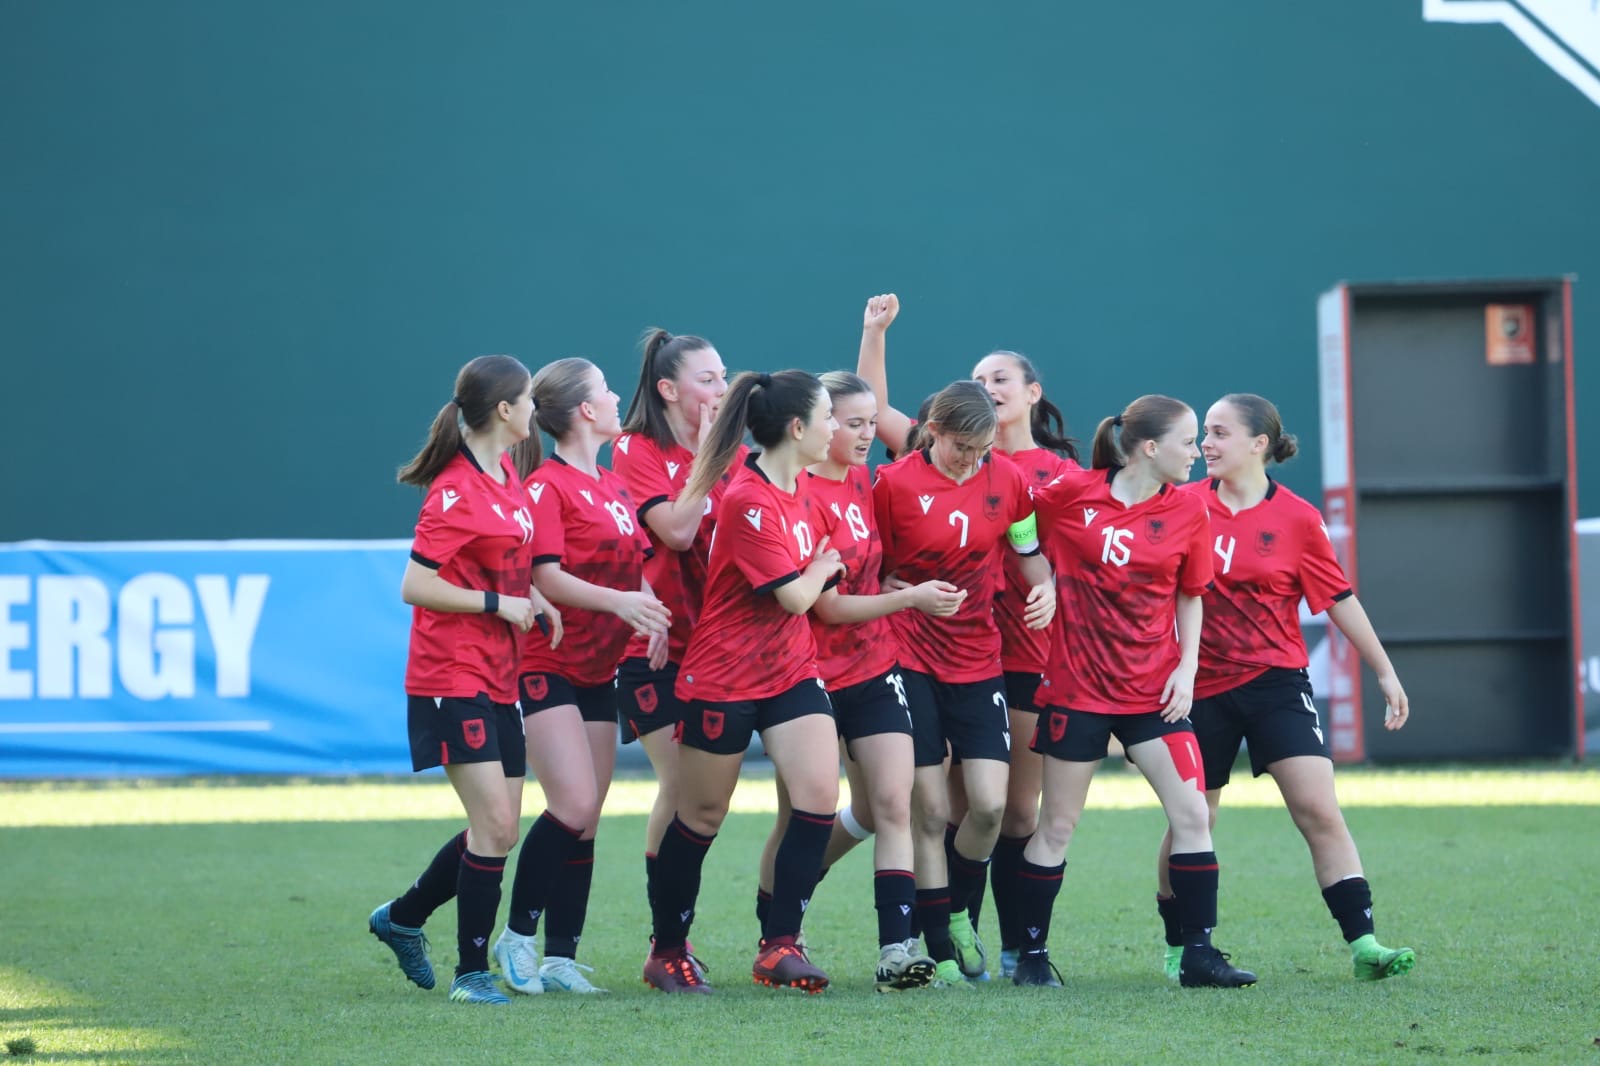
444, 525
639, 464
753, 531
1322, 579
882, 493
549, 523
1021, 497
1196, 574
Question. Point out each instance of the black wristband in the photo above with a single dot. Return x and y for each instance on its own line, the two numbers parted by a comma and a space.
491, 602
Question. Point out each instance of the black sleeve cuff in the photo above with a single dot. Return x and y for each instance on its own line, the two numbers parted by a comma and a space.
832, 581
537, 559
651, 502
423, 560
1345, 595
793, 575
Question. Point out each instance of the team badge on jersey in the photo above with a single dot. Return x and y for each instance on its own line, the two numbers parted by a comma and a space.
991, 508
711, 724
1266, 541
1154, 530
646, 697
473, 733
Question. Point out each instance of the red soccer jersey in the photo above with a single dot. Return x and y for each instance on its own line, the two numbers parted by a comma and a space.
1022, 649
478, 535
745, 645
1266, 558
590, 527
850, 654
933, 528
656, 475
1119, 571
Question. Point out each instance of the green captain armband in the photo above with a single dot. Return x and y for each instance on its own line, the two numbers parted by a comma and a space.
1024, 535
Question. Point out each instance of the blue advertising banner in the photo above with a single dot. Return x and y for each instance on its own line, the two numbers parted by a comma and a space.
202, 657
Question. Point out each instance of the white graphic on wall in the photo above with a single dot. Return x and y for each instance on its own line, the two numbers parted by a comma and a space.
1564, 34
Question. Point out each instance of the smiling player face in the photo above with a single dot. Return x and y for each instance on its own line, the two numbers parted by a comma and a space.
857, 416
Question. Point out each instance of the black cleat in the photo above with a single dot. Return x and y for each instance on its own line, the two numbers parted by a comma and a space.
1035, 968
1209, 968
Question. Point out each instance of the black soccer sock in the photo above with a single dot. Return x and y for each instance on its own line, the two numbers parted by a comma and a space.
540, 864
1350, 903
1194, 882
933, 914
1003, 887
763, 907
1036, 890
678, 865
795, 869
477, 900
435, 888
894, 895
569, 902
967, 877
650, 880
1167, 907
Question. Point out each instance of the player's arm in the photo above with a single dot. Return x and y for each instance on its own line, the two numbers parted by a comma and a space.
938, 598
1352, 620
639, 609
1040, 609
894, 428
421, 586
676, 521
1178, 692
800, 594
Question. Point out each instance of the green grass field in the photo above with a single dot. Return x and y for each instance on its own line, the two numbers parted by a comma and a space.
226, 922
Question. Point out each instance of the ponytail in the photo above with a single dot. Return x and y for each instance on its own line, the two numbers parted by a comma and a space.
662, 359
481, 387
444, 441
766, 405
1049, 429
1147, 418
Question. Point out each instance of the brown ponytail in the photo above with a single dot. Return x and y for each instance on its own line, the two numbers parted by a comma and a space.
481, 386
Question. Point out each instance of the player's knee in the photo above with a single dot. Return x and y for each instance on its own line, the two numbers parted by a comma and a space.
1321, 820
890, 807
985, 815
1189, 817
1055, 828
1019, 822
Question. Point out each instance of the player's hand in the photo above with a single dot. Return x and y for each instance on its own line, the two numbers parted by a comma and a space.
1040, 610
894, 583
1178, 694
827, 557
518, 611
880, 311
1396, 708
551, 626
656, 653
646, 614
707, 416
937, 598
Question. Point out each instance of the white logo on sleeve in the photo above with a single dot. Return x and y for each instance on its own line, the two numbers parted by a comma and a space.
536, 490
585, 494
1088, 516
622, 443
672, 469
753, 516
497, 510
448, 498
835, 508
926, 501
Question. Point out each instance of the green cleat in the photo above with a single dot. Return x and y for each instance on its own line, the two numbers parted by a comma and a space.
1374, 962
947, 974
1173, 961
970, 956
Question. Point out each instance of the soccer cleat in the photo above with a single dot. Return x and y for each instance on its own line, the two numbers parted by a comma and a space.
947, 974
477, 987
902, 967
1035, 968
565, 975
1374, 962
970, 956
779, 964
1008, 962
518, 957
410, 946
675, 971
1209, 968
1173, 960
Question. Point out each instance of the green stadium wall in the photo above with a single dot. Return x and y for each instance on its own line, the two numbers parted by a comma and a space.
245, 246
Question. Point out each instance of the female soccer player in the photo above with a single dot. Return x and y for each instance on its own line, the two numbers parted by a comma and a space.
468, 585
857, 656
588, 556
943, 510
1133, 557
1271, 549
1032, 434
681, 383
752, 665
